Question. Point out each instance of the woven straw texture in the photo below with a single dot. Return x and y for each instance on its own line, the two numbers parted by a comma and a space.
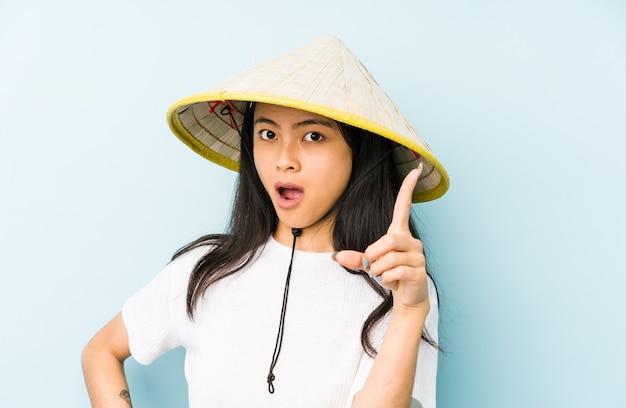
323, 77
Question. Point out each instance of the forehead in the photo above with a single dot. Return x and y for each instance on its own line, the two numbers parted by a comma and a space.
282, 113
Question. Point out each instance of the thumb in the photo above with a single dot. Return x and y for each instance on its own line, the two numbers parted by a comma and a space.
350, 259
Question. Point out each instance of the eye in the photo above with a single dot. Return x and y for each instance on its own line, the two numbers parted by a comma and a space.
313, 137
267, 134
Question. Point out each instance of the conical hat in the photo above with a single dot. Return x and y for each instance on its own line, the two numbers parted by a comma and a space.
322, 77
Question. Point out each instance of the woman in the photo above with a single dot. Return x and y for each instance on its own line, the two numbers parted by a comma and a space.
321, 262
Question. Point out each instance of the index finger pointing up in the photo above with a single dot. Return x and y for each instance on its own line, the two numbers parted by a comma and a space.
404, 200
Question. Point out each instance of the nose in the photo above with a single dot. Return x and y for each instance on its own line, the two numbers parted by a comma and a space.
288, 157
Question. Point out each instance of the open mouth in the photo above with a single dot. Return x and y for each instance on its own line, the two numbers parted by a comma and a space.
289, 193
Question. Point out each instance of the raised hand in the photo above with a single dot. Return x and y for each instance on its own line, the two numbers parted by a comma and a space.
396, 260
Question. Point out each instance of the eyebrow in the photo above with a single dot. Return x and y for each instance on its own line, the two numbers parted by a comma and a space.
306, 122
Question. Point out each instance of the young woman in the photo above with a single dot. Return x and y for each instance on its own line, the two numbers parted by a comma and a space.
318, 294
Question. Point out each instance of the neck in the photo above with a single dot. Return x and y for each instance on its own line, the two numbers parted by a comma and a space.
315, 238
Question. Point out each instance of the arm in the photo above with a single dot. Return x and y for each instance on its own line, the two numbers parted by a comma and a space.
103, 366
397, 262
390, 382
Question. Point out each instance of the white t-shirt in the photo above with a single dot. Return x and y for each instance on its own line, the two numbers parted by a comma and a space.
230, 342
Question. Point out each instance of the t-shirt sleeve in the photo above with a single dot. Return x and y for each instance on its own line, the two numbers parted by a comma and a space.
425, 385
154, 315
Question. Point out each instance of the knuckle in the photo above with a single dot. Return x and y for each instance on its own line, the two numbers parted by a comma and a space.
389, 239
418, 244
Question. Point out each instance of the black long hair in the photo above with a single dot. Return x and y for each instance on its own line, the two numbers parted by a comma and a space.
363, 214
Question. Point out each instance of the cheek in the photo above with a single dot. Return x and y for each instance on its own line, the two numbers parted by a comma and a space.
344, 164
260, 159
338, 171
260, 166
345, 174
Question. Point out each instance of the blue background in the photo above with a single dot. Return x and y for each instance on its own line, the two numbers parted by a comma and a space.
523, 101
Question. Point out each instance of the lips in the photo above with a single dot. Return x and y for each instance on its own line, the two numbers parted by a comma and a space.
288, 195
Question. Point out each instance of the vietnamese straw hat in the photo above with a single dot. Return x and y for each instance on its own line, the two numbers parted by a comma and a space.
323, 77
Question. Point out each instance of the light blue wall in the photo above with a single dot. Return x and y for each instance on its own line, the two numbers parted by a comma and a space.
523, 101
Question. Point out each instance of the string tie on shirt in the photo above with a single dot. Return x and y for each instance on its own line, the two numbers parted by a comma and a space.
281, 326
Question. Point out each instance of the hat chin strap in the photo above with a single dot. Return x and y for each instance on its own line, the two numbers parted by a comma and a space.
281, 326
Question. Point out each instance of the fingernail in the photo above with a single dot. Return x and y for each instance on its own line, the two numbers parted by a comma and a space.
379, 278
365, 263
334, 256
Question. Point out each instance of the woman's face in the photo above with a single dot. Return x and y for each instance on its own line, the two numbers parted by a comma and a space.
303, 162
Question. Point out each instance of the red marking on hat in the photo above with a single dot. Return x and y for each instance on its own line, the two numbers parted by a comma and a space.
227, 109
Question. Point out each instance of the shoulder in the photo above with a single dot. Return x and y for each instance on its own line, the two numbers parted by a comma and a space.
175, 275
189, 258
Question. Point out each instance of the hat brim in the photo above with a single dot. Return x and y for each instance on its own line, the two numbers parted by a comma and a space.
433, 183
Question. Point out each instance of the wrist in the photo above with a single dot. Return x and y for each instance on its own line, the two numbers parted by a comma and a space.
416, 312
408, 322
